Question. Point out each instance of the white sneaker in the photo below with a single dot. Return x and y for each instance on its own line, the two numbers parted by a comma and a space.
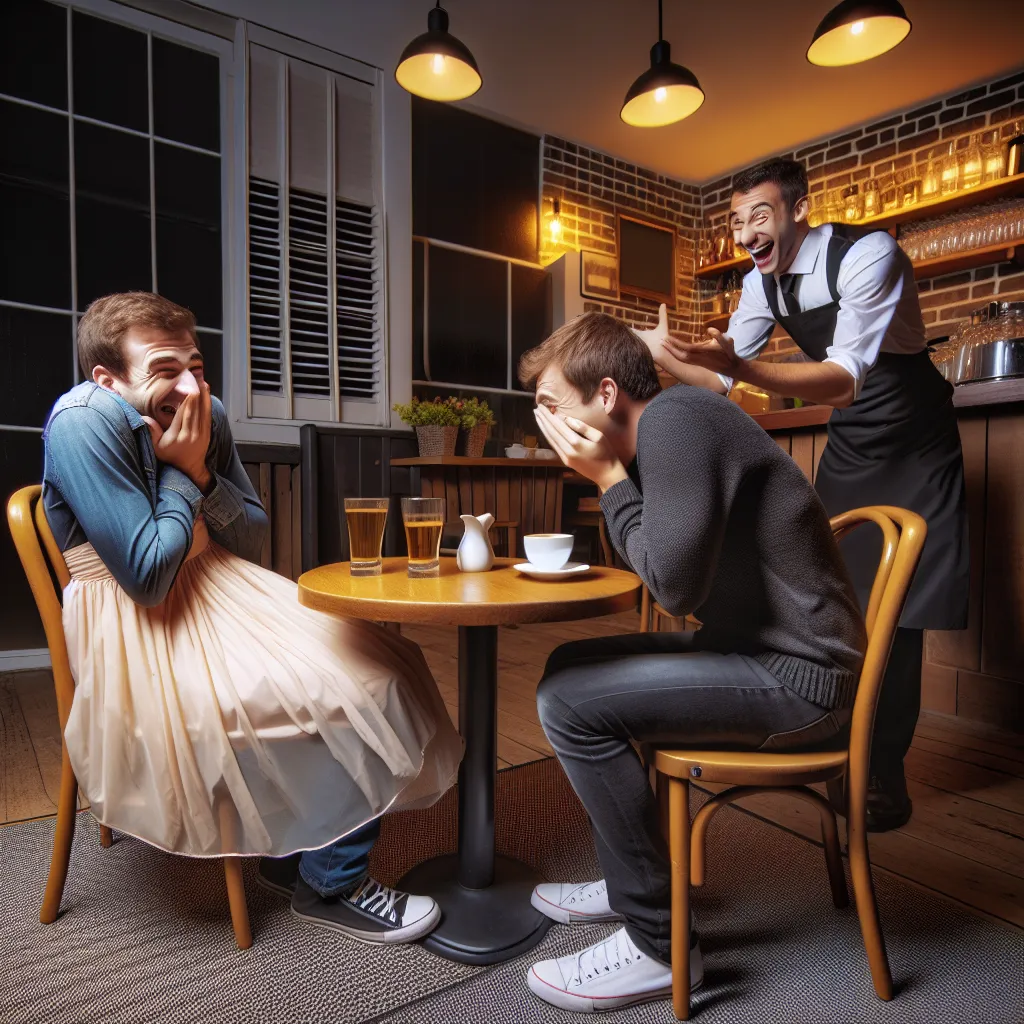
566, 903
609, 975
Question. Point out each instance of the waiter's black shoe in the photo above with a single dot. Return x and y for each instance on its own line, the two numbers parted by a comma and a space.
889, 803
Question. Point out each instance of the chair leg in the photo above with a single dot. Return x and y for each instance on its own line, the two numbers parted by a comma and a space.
864, 895
106, 837
679, 850
661, 791
236, 901
645, 610
62, 837
833, 856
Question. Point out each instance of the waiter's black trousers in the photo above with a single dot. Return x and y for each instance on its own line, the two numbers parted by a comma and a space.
899, 703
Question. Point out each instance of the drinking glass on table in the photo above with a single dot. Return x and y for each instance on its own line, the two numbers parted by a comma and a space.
424, 521
365, 518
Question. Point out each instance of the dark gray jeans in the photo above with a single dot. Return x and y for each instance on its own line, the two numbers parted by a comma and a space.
597, 695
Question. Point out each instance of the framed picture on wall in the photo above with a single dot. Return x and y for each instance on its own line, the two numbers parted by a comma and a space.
647, 259
599, 275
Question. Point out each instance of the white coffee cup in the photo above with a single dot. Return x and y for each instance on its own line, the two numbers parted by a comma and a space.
549, 551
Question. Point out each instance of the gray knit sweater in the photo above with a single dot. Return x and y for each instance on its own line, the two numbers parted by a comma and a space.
718, 521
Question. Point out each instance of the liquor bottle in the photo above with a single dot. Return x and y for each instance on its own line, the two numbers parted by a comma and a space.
1014, 148
950, 171
872, 202
994, 159
974, 168
931, 183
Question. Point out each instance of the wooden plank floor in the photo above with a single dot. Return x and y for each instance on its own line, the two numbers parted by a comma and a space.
965, 840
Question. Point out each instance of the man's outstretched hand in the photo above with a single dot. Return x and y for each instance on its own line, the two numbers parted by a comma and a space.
581, 447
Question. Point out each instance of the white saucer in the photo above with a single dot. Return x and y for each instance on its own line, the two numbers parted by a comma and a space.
569, 569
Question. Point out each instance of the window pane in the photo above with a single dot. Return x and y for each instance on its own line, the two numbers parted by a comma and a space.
112, 165
34, 52
113, 249
188, 268
35, 258
187, 185
467, 322
45, 161
38, 354
110, 72
531, 313
186, 95
188, 241
35, 265
21, 463
213, 361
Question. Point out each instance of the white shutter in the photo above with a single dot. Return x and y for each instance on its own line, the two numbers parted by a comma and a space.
316, 266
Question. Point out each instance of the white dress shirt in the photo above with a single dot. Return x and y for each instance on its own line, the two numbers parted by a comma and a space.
878, 304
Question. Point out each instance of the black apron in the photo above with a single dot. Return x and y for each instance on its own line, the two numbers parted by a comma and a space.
897, 444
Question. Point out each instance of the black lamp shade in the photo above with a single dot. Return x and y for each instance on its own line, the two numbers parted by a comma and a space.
436, 65
665, 93
857, 30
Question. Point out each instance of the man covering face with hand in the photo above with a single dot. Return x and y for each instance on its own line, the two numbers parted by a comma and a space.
717, 521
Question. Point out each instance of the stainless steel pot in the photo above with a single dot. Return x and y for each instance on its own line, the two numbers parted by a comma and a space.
994, 360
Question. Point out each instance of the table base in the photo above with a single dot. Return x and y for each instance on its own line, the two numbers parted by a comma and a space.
479, 926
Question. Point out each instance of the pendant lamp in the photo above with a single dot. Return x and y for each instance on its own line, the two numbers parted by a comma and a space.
663, 94
857, 30
436, 65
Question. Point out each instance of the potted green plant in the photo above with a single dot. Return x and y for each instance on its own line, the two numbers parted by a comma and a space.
476, 420
436, 424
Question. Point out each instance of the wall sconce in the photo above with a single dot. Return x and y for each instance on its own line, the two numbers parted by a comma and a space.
555, 224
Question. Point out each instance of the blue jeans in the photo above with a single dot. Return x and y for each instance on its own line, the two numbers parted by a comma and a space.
339, 867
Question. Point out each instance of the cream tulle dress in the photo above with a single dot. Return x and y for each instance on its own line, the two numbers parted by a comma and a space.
232, 720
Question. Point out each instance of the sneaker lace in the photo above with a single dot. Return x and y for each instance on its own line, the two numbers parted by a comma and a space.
376, 899
586, 891
616, 952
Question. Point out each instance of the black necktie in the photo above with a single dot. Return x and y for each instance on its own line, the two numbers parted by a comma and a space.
788, 282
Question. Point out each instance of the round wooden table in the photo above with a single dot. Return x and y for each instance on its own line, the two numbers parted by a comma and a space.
485, 900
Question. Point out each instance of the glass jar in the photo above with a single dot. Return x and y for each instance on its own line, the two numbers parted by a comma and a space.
890, 193
910, 188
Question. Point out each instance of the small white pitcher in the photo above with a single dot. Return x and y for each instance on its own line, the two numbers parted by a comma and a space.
475, 553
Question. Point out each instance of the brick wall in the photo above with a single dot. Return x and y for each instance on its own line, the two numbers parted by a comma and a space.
591, 188
900, 141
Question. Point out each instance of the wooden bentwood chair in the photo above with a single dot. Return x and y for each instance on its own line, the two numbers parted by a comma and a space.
752, 772
31, 533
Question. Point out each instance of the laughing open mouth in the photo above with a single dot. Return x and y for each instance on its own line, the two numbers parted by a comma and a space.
763, 254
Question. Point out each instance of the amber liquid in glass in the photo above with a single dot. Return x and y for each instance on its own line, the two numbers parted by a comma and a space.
365, 537
424, 538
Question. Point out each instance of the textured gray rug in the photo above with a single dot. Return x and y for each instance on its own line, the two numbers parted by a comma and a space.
145, 937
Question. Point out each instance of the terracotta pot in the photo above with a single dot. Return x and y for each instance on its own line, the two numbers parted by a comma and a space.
436, 440
473, 440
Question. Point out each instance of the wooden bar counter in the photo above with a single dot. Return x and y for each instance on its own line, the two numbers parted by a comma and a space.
975, 673
524, 491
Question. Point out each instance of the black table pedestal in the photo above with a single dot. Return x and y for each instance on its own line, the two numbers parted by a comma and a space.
485, 901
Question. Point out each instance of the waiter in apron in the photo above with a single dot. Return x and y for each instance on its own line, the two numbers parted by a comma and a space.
850, 303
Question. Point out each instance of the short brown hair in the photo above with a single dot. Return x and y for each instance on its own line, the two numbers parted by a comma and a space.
789, 175
588, 349
104, 324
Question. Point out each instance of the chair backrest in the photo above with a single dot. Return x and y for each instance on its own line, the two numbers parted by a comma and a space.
35, 544
903, 537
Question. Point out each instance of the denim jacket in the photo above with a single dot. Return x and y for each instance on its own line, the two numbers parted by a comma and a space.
102, 483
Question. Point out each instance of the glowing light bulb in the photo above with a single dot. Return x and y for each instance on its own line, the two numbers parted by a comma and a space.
438, 64
857, 27
660, 94
556, 229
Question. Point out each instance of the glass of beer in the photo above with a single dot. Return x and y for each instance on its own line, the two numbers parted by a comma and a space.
366, 518
424, 521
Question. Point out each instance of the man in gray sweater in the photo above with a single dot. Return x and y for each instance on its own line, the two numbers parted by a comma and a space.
718, 522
